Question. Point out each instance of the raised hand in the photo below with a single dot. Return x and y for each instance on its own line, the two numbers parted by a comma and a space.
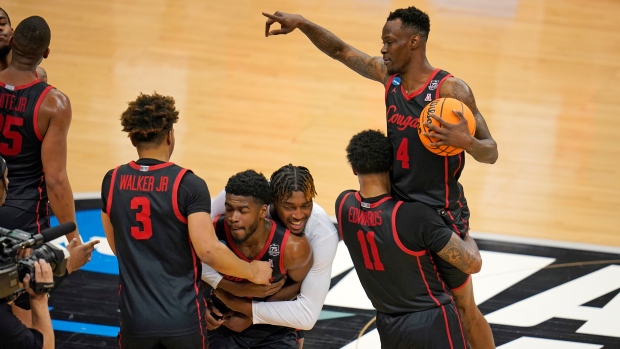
288, 22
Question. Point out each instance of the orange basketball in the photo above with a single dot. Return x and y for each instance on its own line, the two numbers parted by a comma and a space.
443, 107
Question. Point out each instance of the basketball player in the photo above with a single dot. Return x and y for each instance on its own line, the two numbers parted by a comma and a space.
390, 243
410, 83
35, 122
252, 236
6, 32
156, 219
292, 191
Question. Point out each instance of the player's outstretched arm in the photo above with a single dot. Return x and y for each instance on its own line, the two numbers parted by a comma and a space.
462, 253
481, 146
54, 122
367, 66
212, 252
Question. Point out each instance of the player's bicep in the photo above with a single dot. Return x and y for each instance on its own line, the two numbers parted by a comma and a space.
54, 145
457, 253
109, 231
201, 232
458, 89
367, 66
299, 274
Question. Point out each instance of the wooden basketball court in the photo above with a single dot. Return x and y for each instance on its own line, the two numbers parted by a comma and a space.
544, 74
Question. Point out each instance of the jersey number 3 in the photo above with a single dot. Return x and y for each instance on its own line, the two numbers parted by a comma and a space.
143, 217
370, 236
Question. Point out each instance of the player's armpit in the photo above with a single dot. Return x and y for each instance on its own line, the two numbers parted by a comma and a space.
462, 253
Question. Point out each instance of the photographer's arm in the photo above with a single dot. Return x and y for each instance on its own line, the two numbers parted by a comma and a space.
41, 320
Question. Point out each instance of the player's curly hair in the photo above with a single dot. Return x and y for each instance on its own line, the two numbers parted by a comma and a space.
32, 37
149, 118
370, 152
249, 183
413, 18
288, 179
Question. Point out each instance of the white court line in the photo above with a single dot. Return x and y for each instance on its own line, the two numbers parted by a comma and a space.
538, 242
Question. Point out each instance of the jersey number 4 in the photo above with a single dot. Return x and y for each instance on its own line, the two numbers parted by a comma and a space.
14, 146
143, 216
370, 237
402, 154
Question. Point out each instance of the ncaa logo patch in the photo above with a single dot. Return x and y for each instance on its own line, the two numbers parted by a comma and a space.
274, 250
433, 85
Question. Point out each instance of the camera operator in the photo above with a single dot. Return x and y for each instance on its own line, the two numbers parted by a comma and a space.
14, 334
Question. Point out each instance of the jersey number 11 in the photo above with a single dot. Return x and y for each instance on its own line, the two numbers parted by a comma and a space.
370, 237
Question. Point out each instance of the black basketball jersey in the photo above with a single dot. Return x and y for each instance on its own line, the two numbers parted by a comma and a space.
418, 174
395, 278
20, 145
160, 289
272, 252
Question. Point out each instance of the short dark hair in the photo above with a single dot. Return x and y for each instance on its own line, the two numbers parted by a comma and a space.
413, 18
149, 118
32, 37
287, 179
249, 183
8, 19
370, 152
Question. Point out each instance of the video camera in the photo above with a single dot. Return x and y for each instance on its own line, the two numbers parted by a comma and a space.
13, 268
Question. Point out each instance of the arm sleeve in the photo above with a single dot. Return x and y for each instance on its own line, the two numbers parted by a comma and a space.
105, 189
421, 228
304, 311
218, 204
210, 275
14, 334
193, 195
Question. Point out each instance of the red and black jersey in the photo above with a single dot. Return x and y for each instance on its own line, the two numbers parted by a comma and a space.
20, 145
390, 243
160, 289
418, 174
272, 252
